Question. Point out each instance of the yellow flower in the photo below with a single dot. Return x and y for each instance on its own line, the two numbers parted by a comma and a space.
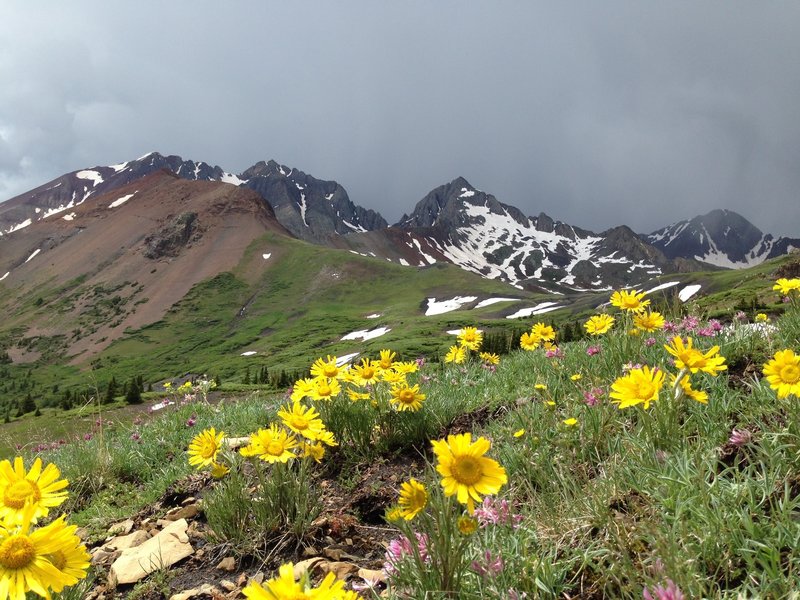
571, 422
366, 373
407, 398
637, 387
783, 373
761, 318
649, 321
271, 445
284, 587
40, 489
456, 354
394, 514
393, 377
302, 388
27, 559
303, 420
787, 286
471, 338
519, 433
406, 367
543, 332
689, 391
529, 342
326, 368
315, 451
490, 358
325, 389
467, 525
576, 377
327, 438
599, 324
632, 301
540, 386
355, 395
693, 359
218, 470
204, 447
413, 499
386, 359
466, 472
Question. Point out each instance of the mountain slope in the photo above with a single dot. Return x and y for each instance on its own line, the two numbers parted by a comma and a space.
309, 208
722, 238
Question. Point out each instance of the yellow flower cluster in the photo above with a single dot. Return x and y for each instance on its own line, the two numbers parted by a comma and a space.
787, 287
44, 559
540, 334
470, 339
328, 380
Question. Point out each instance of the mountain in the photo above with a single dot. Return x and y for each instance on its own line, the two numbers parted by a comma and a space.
722, 238
311, 209
463, 225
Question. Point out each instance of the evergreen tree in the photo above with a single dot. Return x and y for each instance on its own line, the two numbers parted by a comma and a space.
133, 395
111, 391
247, 375
27, 405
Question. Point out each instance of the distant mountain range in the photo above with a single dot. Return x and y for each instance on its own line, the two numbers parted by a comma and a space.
454, 223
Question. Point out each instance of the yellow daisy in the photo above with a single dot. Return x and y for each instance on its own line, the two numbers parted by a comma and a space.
325, 389
326, 368
303, 420
632, 301
695, 360
637, 387
271, 445
649, 321
529, 342
386, 359
783, 373
284, 587
466, 472
490, 358
543, 332
470, 337
787, 286
40, 488
599, 324
413, 499
407, 398
367, 372
302, 388
456, 354
689, 391
467, 525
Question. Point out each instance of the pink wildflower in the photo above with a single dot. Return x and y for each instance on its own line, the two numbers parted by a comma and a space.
715, 324
670, 327
420, 362
491, 567
651, 341
740, 437
670, 592
706, 332
191, 421
401, 547
496, 512
592, 350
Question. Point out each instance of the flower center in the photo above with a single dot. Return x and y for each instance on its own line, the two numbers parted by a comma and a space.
17, 552
275, 448
645, 390
406, 396
20, 492
59, 559
467, 470
790, 374
368, 373
208, 450
299, 422
330, 371
324, 390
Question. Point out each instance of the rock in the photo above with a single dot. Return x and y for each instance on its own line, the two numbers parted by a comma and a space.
123, 542
159, 552
121, 528
103, 557
306, 565
372, 577
227, 564
341, 569
183, 512
228, 586
204, 590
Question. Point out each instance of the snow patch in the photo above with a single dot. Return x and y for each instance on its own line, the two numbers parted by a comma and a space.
231, 178
438, 308
366, 334
119, 167
404, 262
160, 405
490, 301
302, 205
544, 307
92, 176
266, 255
662, 286
343, 360
69, 217
35, 252
121, 201
358, 228
249, 353
466, 193
688, 292
19, 226
374, 316
6, 275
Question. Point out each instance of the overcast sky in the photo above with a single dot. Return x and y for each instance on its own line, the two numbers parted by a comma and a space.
597, 113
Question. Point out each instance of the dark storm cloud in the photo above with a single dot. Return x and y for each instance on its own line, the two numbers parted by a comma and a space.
595, 113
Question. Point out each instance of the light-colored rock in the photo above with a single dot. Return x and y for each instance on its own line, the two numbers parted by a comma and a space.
206, 589
184, 512
227, 564
163, 550
121, 528
123, 542
228, 586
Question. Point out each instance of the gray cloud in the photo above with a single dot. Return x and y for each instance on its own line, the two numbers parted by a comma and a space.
595, 113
